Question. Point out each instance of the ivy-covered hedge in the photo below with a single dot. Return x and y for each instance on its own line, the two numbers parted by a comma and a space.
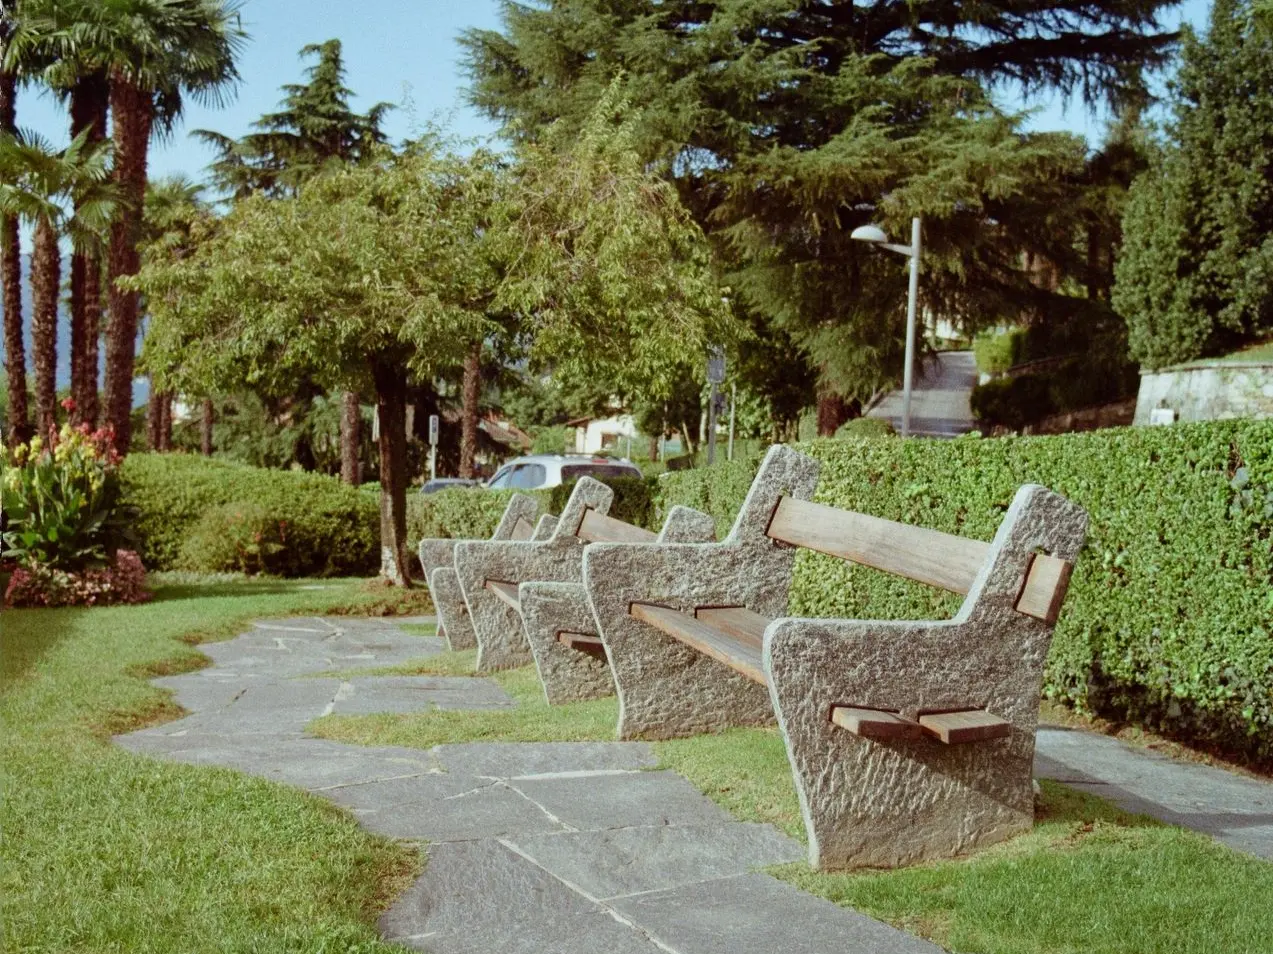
330, 529
1169, 619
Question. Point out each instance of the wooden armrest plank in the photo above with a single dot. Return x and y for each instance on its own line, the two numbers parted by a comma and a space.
737, 621
970, 725
523, 529
600, 528
875, 724
506, 592
583, 642
1046, 583
929, 556
740, 655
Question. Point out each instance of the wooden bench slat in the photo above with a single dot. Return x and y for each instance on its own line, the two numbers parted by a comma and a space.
523, 529
875, 724
929, 556
506, 592
583, 642
971, 725
1045, 584
601, 528
741, 656
737, 621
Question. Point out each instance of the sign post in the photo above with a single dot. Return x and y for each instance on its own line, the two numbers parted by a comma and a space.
715, 375
433, 447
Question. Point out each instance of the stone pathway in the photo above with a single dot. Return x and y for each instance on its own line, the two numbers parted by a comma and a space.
545, 848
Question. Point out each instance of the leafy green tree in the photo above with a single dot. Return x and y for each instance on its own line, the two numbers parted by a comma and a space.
786, 124
1196, 274
60, 193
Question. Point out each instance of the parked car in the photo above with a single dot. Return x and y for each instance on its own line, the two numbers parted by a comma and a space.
446, 483
552, 470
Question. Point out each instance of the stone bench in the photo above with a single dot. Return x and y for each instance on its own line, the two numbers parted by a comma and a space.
907, 740
437, 558
527, 601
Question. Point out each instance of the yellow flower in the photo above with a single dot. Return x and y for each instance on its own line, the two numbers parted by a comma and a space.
37, 445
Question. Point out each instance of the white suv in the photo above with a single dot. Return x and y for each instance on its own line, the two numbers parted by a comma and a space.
551, 470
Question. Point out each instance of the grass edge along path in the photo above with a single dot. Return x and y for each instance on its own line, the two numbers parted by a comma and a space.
108, 850
1089, 877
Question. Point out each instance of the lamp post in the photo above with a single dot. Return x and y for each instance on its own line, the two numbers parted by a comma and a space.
875, 235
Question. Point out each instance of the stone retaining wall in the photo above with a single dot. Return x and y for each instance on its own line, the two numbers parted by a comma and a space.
1208, 391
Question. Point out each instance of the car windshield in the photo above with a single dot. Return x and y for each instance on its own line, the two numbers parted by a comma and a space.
600, 471
500, 480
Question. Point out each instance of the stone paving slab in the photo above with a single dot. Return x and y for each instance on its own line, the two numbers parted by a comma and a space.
521, 759
407, 694
624, 861
1233, 809
621, 800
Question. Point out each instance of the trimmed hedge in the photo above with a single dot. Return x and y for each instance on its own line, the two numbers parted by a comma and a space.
1169, 618
331, 529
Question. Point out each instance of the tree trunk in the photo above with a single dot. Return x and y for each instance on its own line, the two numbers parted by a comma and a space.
205, 428
46, 280
15, 365
654, 447
165, 421
833, 411
132, 112
90, 97
154, 415
391, 402
468, 422
350, 438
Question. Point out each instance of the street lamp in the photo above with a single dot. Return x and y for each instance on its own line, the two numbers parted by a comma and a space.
875, 235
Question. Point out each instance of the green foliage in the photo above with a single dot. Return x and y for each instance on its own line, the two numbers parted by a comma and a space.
1194, 278
997, 351
1012, 402
1167, 617
62, 506
241, 537
331, 529
633, 500
865, 427
459, 513
553, 440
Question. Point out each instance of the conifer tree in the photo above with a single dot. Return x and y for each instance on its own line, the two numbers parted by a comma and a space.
1196, 274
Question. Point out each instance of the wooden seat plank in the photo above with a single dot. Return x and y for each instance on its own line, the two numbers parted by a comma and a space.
583, 642
506, 592
738, 621
929, 556
523, 529
1045, 584
969, 725
875, 723
601, 528
740, 655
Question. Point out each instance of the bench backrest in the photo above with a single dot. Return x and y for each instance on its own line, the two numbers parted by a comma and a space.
597, 527
916, 553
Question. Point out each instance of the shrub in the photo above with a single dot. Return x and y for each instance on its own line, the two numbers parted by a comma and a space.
865, 427
123, 580
239, 537
1012, 402
332, 529
997, 351
62, 503
553, 440
633, 499
1168, 618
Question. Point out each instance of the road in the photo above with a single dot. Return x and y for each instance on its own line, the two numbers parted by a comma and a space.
939, 402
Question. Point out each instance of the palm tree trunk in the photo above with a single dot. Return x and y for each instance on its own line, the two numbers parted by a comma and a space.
205, 428
90, 97
46, 279
15, 365
472, 389
132, 112
350, 437
391, 400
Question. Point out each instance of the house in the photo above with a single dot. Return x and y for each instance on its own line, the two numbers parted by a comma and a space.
593, 434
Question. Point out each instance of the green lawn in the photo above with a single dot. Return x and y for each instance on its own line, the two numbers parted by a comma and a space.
1089, 879
108, 851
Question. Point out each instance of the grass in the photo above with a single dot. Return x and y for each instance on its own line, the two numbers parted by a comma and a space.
1089, 877
1263, 351
109, 851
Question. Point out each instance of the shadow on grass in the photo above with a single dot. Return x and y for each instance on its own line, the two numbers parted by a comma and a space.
27, 634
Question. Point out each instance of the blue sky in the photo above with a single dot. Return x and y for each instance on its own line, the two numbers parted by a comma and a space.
399, 51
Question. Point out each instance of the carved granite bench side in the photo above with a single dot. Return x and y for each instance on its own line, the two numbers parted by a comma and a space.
562, 631
497, 625
885, 802
667, 689
438, 556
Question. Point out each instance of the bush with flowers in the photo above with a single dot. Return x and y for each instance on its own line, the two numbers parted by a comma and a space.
66, 531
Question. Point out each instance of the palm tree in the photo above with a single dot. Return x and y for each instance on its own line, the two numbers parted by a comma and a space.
66, 192
11, 255
153, 53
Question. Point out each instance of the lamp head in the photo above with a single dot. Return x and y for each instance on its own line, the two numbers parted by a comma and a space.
869, 233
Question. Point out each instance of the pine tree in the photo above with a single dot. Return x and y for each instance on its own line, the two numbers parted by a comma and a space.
1196, 274
787, 124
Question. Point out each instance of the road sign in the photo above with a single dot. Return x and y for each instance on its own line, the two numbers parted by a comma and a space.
715, 365
433, 429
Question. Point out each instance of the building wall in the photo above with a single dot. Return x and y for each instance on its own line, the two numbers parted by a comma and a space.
605, 432
1208, 391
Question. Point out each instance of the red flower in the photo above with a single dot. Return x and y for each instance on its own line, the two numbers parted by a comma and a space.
68, 404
